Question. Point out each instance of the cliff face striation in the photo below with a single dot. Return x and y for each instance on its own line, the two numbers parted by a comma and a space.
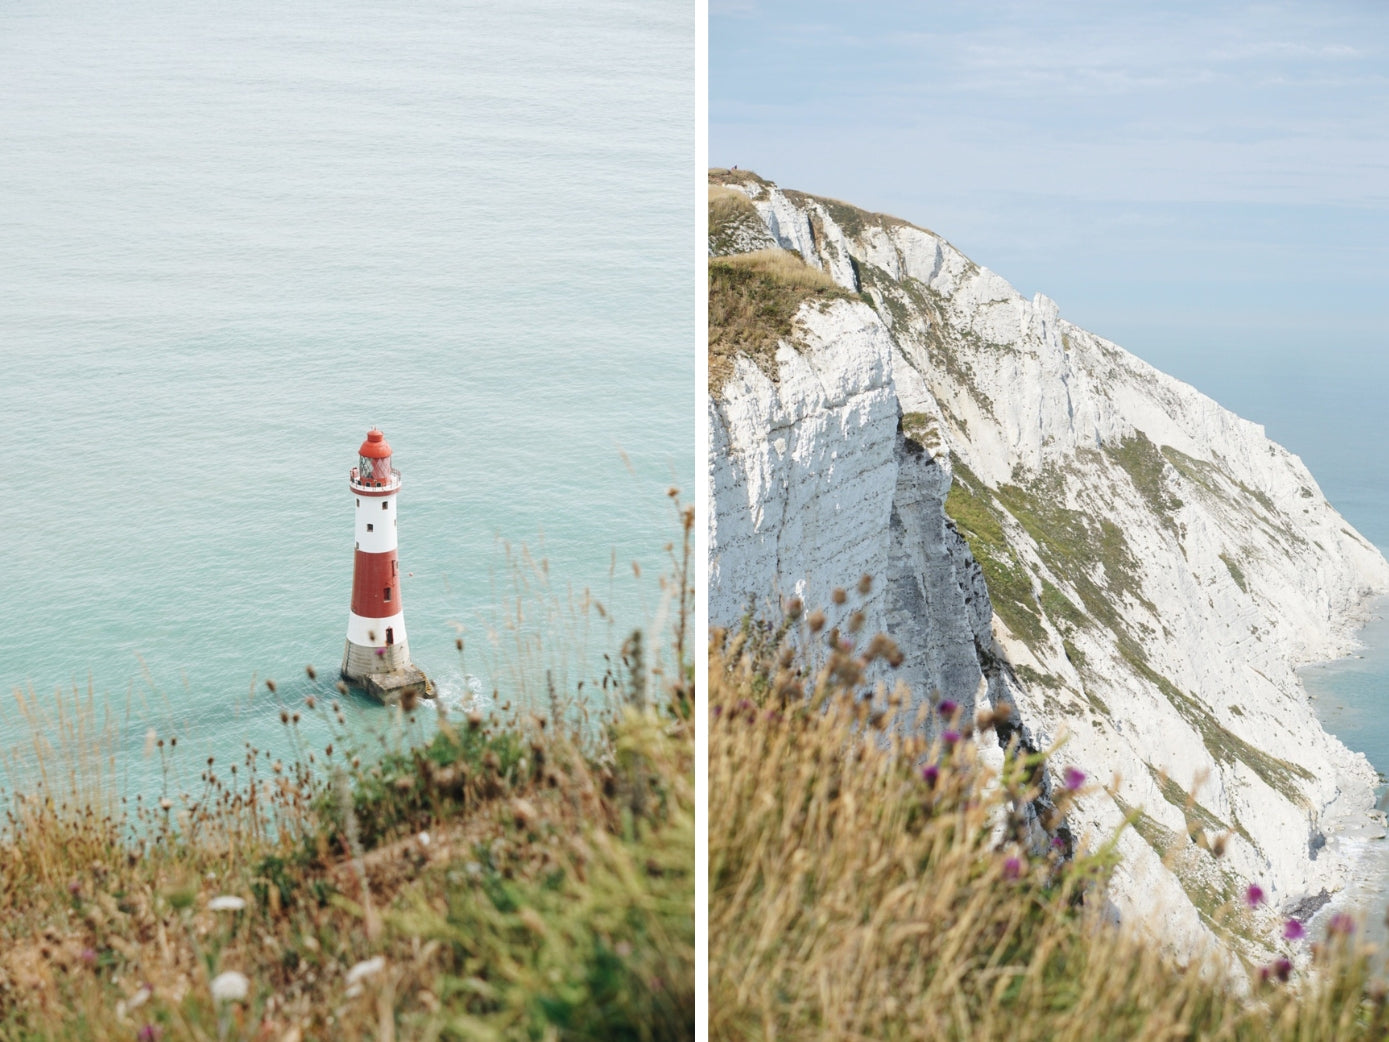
1052, 524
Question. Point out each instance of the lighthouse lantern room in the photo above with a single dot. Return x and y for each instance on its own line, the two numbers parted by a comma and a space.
377, 655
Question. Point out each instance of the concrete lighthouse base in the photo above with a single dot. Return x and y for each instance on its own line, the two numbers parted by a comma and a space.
390, 677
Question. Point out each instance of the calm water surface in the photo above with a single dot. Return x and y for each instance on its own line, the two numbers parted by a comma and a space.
233, 237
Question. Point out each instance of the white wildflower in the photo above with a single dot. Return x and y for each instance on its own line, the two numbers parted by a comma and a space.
227, 903
135, 1001
424, 839
230, 986
365, 969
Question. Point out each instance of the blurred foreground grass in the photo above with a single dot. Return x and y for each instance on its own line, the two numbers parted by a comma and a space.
513, 877
867, 882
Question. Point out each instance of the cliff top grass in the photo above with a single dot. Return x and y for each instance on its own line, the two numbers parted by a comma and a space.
724, 176
753, 301
509, 877
868, 883
733, 222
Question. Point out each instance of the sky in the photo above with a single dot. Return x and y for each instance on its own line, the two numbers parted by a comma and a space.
1206, 184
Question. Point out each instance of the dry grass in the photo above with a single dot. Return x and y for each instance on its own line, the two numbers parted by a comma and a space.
753, 301
868, 884
506, 879
734, 225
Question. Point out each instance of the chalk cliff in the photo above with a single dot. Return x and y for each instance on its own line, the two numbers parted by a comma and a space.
1053, 524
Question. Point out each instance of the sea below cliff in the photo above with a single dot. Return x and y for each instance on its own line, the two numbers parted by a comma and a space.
1327, 413
1348, 694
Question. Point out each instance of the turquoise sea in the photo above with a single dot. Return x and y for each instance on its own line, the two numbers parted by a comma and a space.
235, 236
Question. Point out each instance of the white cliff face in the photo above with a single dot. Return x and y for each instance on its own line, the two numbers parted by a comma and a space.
1052, 523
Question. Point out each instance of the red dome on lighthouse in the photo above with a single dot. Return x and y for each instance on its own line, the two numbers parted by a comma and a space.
376, 446
373, 471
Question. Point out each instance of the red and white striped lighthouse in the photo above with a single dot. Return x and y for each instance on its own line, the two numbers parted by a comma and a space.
377, 654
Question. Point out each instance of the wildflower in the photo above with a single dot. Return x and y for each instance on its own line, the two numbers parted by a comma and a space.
950, 737
424, 839
365, 968
930, 774
150, 1033
1293, 930
1074, 778
947, 708
1283, 968
226, 903
89, 956
1341, 923
1012, 868
1058, 843
1254, 896
230, 986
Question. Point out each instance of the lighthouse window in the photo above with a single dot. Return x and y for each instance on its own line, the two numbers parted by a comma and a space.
385, 505
359, 502
370, 527
388, 593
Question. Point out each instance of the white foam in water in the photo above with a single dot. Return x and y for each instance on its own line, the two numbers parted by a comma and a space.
461, 693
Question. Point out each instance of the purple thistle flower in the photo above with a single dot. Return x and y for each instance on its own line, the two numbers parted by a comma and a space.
150, 1033
1254, 896
947, 708
930, 774
1341, 923
1074, 778
1283, 968
1012, 868
1057, 843
950, 737
718, 711
1293, 930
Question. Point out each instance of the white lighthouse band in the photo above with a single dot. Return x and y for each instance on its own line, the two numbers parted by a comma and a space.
376, 527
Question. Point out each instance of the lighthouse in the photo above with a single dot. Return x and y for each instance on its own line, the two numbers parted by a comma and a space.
377, 656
